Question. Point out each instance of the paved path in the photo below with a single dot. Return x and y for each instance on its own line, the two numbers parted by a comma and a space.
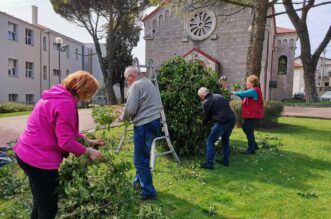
12, 127
309, 112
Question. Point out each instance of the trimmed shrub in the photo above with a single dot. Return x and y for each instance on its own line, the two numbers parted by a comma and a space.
10, 107
236, 108
272, 111
179, 82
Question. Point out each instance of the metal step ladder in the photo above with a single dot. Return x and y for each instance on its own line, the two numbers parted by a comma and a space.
151, 74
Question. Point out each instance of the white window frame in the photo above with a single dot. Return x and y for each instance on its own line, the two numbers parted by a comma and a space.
56, 72
68, 52
12, 32
44, 43
12, 67
29, 70
12, 97
28, 36
45, 72
29, 98
76, 52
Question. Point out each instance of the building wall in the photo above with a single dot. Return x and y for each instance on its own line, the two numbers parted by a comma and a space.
298, 82
285, 45
322, 69
165, 36
18, 50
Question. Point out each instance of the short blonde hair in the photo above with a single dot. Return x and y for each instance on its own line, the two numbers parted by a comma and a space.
81, 84
253, 79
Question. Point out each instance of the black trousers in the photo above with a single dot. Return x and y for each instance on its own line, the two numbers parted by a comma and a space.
43, 185
248, 128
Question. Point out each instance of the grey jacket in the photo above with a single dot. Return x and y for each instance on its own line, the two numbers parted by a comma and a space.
143, 104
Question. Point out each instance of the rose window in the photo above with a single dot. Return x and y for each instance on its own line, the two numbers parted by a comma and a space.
201, 24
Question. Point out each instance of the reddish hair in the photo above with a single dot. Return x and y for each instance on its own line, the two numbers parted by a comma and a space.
81, 84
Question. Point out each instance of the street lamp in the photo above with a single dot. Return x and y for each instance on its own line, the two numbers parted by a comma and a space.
60, 48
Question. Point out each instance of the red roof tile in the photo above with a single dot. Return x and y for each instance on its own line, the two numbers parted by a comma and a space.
297, 65
285, 30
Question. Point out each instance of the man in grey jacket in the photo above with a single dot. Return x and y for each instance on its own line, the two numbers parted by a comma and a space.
143, 109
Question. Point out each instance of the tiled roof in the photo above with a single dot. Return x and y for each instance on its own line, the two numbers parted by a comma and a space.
285, 30
297, 65
156, 10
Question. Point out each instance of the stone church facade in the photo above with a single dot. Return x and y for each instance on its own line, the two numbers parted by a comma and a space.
221, 42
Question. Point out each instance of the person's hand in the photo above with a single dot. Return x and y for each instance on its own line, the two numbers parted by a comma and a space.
93, 154
96, 142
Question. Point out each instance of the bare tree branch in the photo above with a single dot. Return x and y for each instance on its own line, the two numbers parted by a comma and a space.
322, 45
298, 9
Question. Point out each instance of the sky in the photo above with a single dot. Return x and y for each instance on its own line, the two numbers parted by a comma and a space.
319, 20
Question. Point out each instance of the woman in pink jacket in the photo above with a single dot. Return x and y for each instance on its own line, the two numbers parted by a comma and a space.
51, 133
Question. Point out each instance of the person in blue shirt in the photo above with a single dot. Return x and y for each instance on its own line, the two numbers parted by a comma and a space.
252, 110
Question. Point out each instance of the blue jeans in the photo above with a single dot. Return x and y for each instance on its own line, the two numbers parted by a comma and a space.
248, 128
219, 130
143, 137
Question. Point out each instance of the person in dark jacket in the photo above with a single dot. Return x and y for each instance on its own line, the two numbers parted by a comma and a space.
217, 110
252, 110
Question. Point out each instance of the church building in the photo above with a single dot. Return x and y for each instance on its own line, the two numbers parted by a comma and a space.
220, 42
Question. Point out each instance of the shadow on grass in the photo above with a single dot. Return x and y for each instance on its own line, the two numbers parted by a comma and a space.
273, 166
297, 129
177, 207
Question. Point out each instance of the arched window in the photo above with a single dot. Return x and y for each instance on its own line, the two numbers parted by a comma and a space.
285, 43
154, 26
279, 43
166, 14
292, 43
282, 65
160, 19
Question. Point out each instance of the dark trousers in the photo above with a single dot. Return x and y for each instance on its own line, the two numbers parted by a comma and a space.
143, 137
43, 185
248, 128
222, 130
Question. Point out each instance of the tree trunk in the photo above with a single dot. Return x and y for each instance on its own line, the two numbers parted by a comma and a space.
110, 59
309, 78
254, 59
122, 91
309, 60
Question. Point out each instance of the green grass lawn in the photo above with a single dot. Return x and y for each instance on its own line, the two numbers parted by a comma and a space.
322, 103
289, 177
2, 115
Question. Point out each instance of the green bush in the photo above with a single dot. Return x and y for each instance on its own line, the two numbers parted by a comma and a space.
10, 107
94, 189
236, 108
272, 111
179, 82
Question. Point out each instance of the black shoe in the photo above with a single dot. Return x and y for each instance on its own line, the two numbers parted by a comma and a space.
205, 166
249, 152
144, 198
224, 163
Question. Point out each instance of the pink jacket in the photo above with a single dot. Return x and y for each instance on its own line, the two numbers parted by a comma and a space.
52, 130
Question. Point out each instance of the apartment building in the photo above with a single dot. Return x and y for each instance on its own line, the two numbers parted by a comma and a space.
30, 59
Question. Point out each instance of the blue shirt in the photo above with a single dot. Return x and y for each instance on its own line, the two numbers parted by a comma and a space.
250, 93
